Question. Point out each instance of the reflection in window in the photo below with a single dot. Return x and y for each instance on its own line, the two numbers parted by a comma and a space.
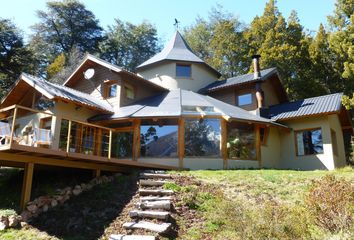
241, 142
202, 138
112, 91
129, 92
244, 99
183, 70
122, 145
156, 141
309, 142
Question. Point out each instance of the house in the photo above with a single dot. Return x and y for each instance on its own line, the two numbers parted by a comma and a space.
173, 113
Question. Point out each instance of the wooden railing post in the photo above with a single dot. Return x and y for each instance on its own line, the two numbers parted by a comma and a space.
224, 143
181, 142
136, 139
68, 139
27, 184
110, 144
13, 126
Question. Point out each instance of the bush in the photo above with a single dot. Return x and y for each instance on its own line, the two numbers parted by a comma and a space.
330, 200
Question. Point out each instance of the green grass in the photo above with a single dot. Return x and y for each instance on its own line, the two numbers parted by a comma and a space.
257, 204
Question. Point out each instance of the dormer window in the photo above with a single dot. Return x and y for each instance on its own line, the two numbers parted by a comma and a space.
112, 90
129, 91
244, 99
183, 70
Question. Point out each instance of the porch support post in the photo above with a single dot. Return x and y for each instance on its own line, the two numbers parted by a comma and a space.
27, 184
181, 122
96, 173
136, 139
258, 145
68, 138
110, 144
223, 143
13, 126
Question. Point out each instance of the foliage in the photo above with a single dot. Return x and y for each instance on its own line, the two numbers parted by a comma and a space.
15, 56
56, 66
331, 201
128, 45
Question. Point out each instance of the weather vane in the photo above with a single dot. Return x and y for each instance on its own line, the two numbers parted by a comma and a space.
176, 24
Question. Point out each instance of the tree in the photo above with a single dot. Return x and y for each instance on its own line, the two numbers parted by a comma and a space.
219, 42
55, 67
15, 57
128, 45
64, 25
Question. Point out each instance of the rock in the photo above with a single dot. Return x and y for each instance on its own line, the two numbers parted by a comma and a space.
44, 200
149, 214
83, 186
4, 223
23, 224
2, 226
117, 175
77, 191
159, 192
54, 203
58, 198
160, 228
45, 208
26, 215
13, 221
165, 205
32, 208
130, 237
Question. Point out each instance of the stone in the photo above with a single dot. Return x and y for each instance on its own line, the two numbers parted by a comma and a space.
32, 208
130, 237
165, 205
4, 223
160, 192
155, 175
23, 224
152, 183
149, 214
45, 208
2, 226
13, 221
54, 203
155, 198
44, 200
77, 191
26, 215
155, 227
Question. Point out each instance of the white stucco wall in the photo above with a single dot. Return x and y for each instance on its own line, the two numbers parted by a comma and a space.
173, 162
203, 163
334, 123
166, 77
242, 164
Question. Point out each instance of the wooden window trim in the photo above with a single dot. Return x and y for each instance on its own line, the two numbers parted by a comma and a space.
295, 140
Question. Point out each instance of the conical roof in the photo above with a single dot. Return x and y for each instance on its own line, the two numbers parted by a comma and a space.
177, 49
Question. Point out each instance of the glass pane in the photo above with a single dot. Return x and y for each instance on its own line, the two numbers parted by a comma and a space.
104, 143
309, 142
245, 99
183, 70
122, 145
158, 141
113, 90
63, 134
241, 141
88, 140
202, 138
129, 92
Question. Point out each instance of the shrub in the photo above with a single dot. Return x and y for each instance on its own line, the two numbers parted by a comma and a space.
330, 200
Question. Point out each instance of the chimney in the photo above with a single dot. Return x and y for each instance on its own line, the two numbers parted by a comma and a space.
256, 68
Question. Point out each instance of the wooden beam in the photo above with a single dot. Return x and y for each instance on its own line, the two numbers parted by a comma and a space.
110, 144
180, 145
136, 139
96, 173
13, 126
68, 137
27, 185
223, 143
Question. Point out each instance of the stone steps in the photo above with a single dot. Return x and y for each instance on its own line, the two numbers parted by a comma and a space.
152, 183
154, 192
164, 205
130, 237
149, 214
155, 198
155, 176
154, 227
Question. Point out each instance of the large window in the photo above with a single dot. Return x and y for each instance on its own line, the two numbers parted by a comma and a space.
202, 138
241, 141
122, 145
183, 70
309, 142
244, 99
158, 141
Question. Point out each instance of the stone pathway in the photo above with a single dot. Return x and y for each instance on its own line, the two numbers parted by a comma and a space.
152, 212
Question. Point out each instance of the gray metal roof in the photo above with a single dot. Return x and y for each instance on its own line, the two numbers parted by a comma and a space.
172, 103
306, 107
246, 78
52, 90
177, 49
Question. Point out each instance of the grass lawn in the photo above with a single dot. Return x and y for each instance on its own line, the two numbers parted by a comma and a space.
257, 204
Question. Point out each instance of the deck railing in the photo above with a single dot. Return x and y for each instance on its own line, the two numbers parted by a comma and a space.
38, 129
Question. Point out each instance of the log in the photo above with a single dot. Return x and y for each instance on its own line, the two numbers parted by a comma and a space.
149, 214
155, 198
152, 183
159, 192
155, 175
165, 205
130, 237
154, 227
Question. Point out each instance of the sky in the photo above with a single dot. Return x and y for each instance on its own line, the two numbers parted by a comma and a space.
162, 13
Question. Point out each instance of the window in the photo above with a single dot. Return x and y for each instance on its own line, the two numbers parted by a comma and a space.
112, 90
241, 141
245, 99
202, 138
334, 142
129, 92
122, 145
183, 71
309, 142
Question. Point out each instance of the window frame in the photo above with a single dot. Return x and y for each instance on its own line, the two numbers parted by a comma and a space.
184, 65
244, 94
296, 144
